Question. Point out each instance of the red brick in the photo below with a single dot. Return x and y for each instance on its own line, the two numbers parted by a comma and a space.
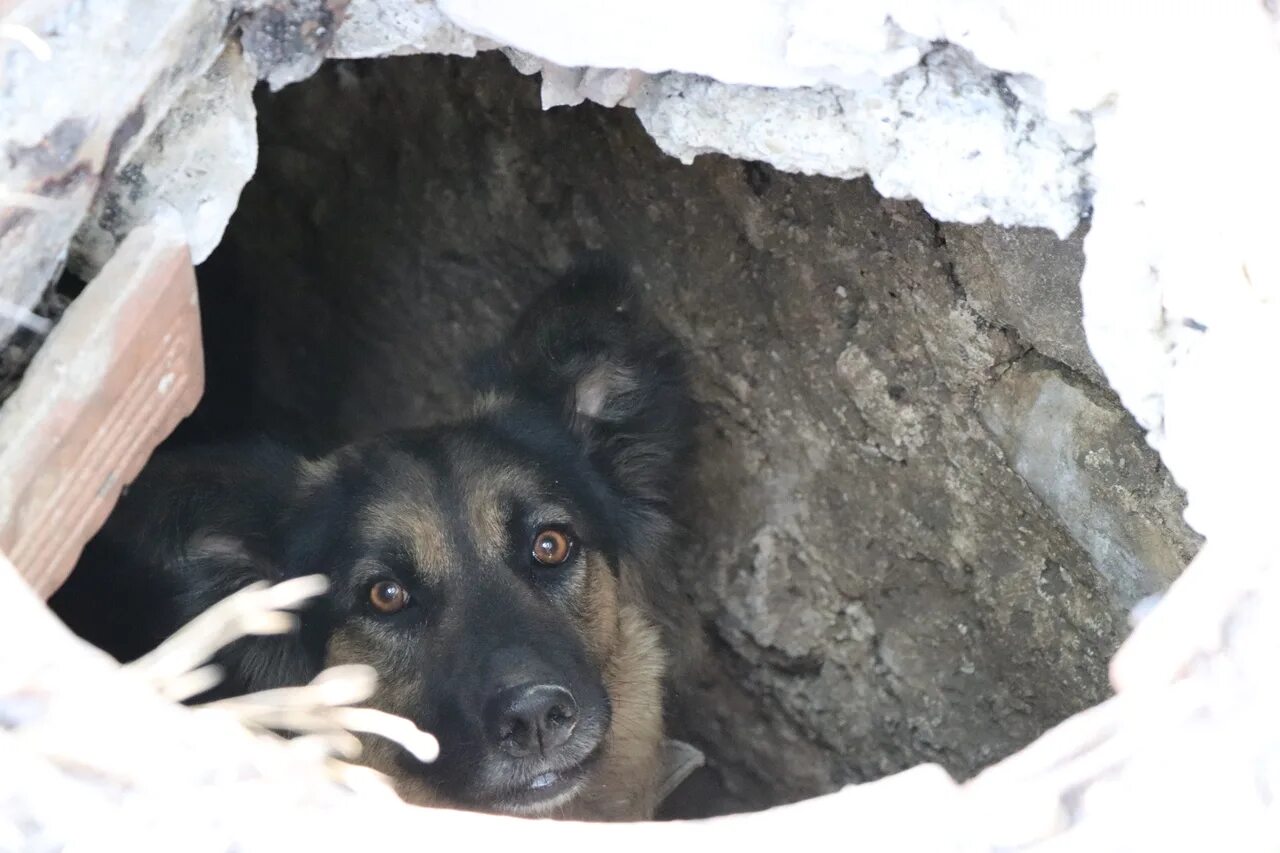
115, 377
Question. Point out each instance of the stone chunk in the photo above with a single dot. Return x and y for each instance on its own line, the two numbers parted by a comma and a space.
1085, 459
1028, 279
196, 162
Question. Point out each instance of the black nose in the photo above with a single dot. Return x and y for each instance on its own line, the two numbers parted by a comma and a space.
532, 718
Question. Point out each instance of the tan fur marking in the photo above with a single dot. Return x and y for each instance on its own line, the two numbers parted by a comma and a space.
599, 386
315, 472
624, 786
393, 695
418, 525
600, 610
485, 513
490, 401
487, 491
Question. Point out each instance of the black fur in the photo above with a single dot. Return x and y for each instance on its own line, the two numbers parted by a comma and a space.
591, 411
641, 438
195, 527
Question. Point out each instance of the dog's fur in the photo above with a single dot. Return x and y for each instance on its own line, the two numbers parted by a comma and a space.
582, 421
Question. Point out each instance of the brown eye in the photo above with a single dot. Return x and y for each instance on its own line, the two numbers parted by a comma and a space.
388, 596
551, 547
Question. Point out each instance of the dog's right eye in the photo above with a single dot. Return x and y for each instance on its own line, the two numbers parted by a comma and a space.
388, 597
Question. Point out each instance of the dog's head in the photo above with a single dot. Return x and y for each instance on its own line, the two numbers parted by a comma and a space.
477, 568
481, 567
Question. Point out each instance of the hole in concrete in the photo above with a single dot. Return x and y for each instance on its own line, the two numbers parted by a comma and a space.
917, 520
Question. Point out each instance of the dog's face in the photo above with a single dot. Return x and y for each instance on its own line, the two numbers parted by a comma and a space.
474, 568
485, 569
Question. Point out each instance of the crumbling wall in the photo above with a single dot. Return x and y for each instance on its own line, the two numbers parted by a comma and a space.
918, 521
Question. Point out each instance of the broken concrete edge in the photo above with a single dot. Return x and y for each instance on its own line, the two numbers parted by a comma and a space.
1036, 174
69, 143
927, 109
1195, 715
196, 162
64, 139
112, 381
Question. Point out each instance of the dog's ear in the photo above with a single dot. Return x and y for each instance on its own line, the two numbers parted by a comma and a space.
611, 373
194, 527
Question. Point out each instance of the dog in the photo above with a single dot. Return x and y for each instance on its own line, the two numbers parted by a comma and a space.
491, 570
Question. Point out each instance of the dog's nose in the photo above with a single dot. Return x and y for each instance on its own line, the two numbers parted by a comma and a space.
532, 719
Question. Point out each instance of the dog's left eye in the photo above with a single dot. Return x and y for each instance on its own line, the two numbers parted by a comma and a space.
388, 597
552, 546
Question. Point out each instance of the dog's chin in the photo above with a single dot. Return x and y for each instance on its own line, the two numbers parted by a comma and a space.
543, 795
540, 794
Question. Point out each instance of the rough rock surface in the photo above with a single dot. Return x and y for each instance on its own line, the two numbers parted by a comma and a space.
111, 110
958, 126
868, 583
925, 118
285, 41
1028, 279
394, 27
1085, 459
195, 163
965, 141
62, 132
